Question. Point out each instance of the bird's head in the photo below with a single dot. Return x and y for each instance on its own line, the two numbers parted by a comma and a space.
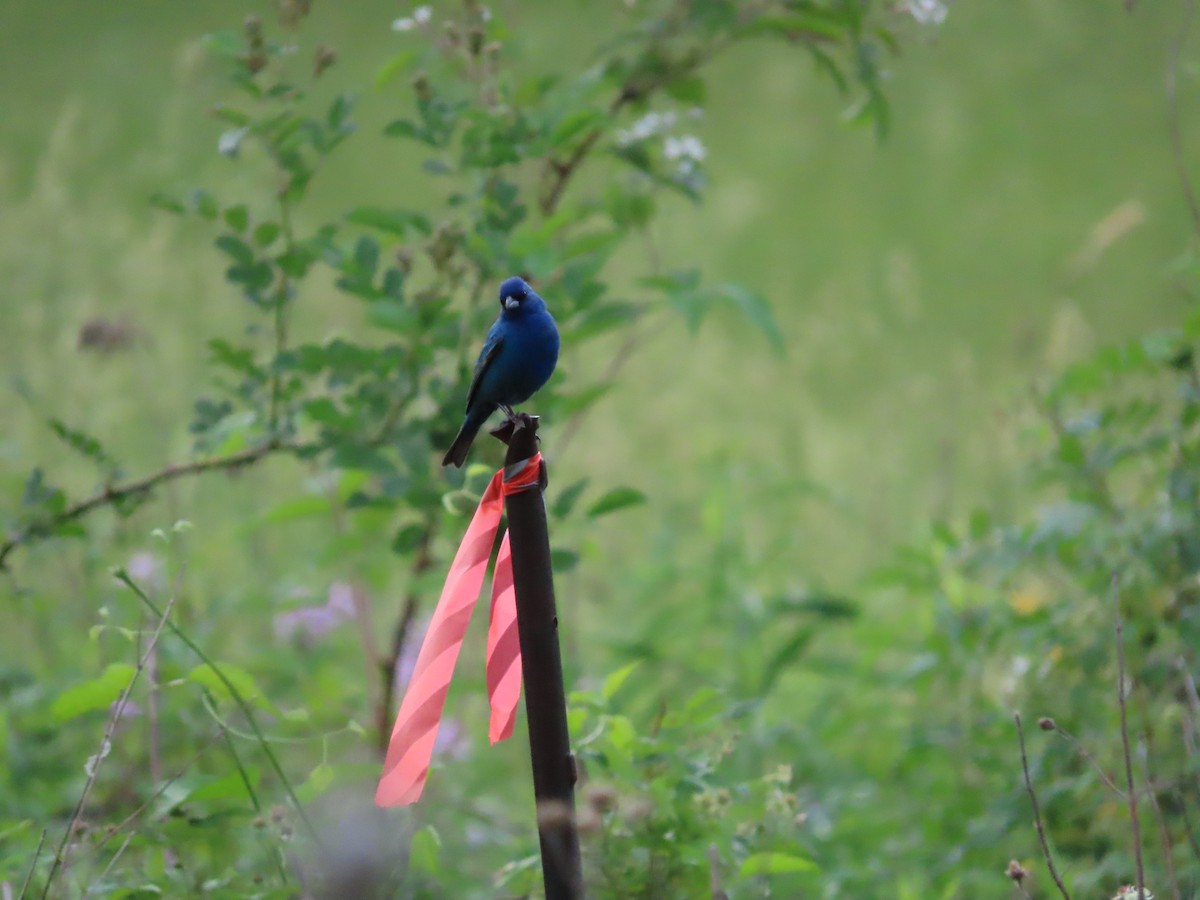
516, 297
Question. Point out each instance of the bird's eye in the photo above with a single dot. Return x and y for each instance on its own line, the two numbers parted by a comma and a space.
522, 295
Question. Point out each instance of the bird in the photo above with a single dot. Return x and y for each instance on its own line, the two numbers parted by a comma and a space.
518, 357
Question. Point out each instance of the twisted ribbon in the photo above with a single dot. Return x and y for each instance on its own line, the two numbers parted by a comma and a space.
406, 766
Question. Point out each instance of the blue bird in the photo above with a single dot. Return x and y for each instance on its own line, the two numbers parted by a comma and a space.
518, 357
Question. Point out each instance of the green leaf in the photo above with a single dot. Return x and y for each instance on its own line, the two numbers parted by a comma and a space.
82, 443
394, 221
319, 781
616, 679
226, 787
266, 233
237, 249
562, 560
408, 538
566, 499
392, 315
757, 312
231, 115
573, 124
691, 91
242, 681
98, 693
776, 864
800, 25
424, 850
160, 200
617, 498
236, 217
460, 503
204, 204
393, 67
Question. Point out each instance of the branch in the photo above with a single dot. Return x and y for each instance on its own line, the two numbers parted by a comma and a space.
113, 494
1037, 813
631, 91
400, 635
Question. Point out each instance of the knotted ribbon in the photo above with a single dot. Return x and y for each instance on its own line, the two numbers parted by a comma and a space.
406, 766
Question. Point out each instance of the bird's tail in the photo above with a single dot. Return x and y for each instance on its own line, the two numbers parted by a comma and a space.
457, 454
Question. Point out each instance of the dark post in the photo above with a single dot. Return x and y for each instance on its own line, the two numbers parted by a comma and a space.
545, 698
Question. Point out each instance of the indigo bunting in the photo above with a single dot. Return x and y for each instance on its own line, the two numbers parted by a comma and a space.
518, 357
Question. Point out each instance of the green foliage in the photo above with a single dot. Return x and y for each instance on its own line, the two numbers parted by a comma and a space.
365, 414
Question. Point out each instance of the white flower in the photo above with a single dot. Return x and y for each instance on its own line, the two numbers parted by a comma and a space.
422, 15
230, 141
686, 147
927, 12
647, 126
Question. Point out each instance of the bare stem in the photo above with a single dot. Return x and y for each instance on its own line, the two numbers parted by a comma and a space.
1130, 796
64, 847
283, 296
1164, 833
32, 865
1037, 813
400, 635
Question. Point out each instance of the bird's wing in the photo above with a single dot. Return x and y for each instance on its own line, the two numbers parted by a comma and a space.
491, 349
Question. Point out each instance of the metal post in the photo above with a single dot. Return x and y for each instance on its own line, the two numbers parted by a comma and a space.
545, 697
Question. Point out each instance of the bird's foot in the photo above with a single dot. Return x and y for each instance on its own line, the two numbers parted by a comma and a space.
508, 411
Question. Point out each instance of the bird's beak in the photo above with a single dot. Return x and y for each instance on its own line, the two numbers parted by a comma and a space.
511, 303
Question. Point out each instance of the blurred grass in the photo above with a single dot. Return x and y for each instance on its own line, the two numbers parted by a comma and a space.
923, 285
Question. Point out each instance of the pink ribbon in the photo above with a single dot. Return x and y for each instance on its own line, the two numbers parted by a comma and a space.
406, 766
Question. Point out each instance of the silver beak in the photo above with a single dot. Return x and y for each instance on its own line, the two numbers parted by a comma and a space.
511, 303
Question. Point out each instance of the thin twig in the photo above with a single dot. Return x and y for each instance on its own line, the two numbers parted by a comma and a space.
1037, 813
714, 874
64, 847
1193, 706
1130, 796
153, 734
115, 493
1185, 181
1083, 751
1193, 841
112, 862
123, 576
400, 634
1164, 833
32, 865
